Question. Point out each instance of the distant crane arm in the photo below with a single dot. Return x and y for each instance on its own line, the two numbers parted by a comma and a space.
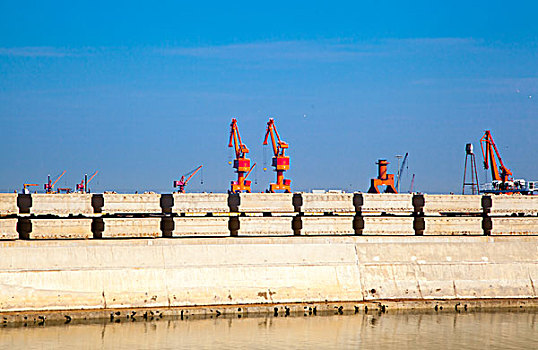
193, 173
59, 177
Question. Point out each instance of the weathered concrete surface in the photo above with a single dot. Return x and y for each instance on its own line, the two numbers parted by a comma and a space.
201, 226
265, 226
8, 204
376, 204
59, 229
97, 274
511, 204
61, 204
275, 203
200, 203
131, 203
8, 229
131, 227
327, 225
515, 226
432, 204
453, 226
385, 225
336, 203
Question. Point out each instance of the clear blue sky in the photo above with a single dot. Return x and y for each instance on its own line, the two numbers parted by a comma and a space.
145, 91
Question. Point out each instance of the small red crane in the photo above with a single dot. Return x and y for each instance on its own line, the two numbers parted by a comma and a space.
82, 187
488, 147
281, 162
49, 186
183, 182
241, 162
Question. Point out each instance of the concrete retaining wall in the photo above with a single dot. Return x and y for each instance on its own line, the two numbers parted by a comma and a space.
201, 226
327, 225
55, 229
515, 226
8, 204
335, 203
131, 203
385, 225
430, 204
130, 227
265, 226
388, 203
8, 229
200, 203
98, 274
61, 204
275, 203
511, 205
453, 226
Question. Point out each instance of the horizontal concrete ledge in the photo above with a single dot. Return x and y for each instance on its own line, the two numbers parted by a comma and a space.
310, 309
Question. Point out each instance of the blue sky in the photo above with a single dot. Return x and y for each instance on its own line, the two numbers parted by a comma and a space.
144, 92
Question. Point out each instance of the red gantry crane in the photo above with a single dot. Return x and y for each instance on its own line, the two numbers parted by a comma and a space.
241, 162
184, 181
281, 162
49, 186
82, 187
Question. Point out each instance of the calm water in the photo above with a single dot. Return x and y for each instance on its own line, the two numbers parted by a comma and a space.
481, 330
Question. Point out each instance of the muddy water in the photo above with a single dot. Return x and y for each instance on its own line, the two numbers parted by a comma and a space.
476, 330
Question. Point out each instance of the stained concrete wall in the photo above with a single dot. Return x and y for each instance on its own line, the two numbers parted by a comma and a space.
275, 203
131, 203
385, 225
130, 227
335, 203
448, 204
8, 229
8, 204
55, 229
327, 225
97, 274
453, 226
61, 204
200, 203
265, 226
377, 204
200, 226
515, 226
503, 205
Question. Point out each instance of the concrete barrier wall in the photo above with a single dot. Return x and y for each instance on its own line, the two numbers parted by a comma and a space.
55, 229
265, 226
453, 226
200, 203
336, 203
385, 225
448, 204
8, 229
275, 203
504, 205
201, 226
61, 204
130, 227
131, 203
97, 274
377, 204
327, 225
8, 204
515, 226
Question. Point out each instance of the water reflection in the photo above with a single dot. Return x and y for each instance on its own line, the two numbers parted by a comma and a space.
473, 330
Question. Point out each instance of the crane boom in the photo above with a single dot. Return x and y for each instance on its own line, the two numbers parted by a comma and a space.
59, 177
401, 169
91, 177
489, 150
193, 173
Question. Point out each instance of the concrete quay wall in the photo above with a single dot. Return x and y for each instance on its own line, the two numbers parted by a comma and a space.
198, 272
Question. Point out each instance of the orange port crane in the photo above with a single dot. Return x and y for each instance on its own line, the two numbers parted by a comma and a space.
382, 179
49, 186
82, 187
184, 181
241, 162
281, 162
489, 150
25, 189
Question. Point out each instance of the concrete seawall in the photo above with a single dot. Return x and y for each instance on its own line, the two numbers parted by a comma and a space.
168, 273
